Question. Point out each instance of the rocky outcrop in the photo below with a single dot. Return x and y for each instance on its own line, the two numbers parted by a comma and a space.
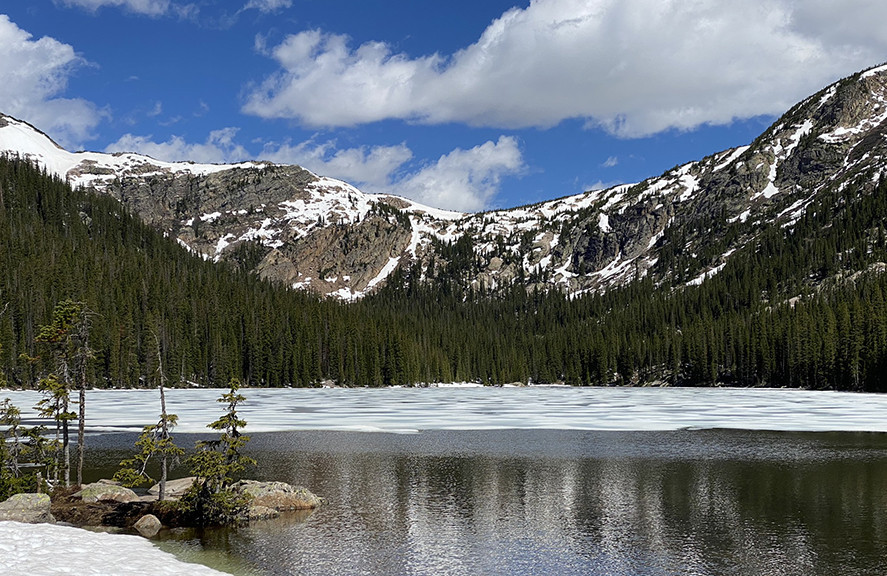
175, 489
101, 492
278, 496
347, 256
27, 508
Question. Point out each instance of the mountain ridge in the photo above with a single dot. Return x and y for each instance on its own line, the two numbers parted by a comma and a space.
308, 231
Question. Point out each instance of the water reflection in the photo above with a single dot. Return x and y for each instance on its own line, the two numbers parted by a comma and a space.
561, 502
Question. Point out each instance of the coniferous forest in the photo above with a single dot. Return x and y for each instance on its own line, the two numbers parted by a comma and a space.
801, 306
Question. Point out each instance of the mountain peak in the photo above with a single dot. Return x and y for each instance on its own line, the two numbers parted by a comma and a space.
313, 232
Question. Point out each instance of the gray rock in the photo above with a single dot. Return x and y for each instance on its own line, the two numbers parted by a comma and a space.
175, 489
261, 513
278, 496
99, 491
148, 525
27, 508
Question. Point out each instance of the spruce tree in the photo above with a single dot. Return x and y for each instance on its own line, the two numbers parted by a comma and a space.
216, 463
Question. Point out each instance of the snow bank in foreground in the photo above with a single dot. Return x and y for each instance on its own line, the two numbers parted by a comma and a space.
45, 549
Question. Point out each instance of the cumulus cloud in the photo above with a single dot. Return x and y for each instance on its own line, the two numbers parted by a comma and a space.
33, 75
373, 166
634, 67
464, 180
219, 148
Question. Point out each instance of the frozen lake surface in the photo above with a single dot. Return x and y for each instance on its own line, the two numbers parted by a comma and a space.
539, 480
406, 410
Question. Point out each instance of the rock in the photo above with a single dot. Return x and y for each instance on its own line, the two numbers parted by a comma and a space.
278, 496
99, 491
175, 489
27, 508
148, 525
261, 513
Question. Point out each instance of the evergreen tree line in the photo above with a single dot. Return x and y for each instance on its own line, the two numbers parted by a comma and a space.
791, 309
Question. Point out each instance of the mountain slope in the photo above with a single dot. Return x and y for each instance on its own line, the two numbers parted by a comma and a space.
763, 319
318, 233
294, 218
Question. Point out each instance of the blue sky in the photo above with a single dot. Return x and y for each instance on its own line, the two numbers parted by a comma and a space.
461, 104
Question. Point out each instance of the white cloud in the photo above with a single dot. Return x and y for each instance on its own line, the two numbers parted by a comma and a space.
268, 5
465, 180
219, 148
635, 67
147, 7
611, 162
151, 8
33, 74
157, 110
373, 166
324, 82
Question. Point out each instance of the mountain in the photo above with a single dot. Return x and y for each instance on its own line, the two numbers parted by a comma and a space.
758, 266
309, 231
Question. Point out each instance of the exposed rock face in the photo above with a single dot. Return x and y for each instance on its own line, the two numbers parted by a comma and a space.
278, 496
27, 508
301, 230
175, 489
100, 491
306, 231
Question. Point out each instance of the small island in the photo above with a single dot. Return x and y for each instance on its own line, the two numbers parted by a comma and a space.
211, 496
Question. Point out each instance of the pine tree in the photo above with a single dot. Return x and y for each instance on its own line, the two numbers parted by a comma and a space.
67, 337
216, 463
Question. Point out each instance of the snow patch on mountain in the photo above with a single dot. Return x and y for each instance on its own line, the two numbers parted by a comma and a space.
731, 157
91, 168
578, 243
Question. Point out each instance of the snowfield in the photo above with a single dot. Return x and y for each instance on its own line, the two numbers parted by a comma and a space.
46, 549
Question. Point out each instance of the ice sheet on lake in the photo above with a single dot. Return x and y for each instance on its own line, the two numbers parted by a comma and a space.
45, 549
405, 410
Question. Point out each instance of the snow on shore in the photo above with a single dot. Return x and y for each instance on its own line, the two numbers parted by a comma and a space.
46, 550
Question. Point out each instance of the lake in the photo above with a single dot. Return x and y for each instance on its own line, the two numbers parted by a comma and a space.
545, 481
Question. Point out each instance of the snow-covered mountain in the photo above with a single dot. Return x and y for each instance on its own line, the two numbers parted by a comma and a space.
323, 234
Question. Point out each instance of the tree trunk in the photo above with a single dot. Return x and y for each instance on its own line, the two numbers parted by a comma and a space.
81, 430
164, 428
66, 449
164, 432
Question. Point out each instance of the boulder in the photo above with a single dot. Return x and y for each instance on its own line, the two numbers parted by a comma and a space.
278, 496
148, 525
27, 508
261, 513
175, 489
100, 491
